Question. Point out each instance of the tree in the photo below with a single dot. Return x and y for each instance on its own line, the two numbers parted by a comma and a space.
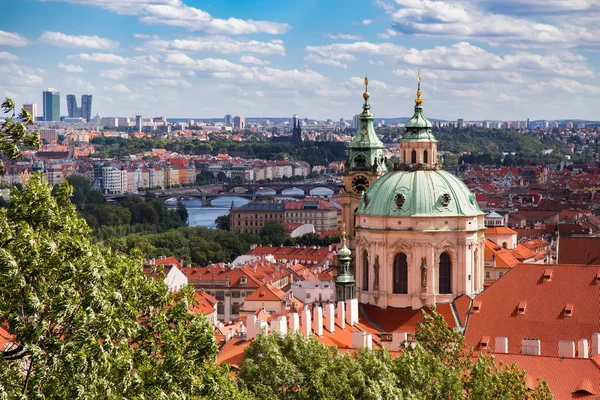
13, 133
223, 222
87, 321
272, 233
438, 367
182, 212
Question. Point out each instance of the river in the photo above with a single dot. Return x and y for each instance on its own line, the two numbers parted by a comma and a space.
205, 216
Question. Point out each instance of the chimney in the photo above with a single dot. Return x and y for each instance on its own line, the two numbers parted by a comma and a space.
294, 322
318, 321
531, 347
280, 325
582, 348
306, 325
341, 317
566, 348
358, 339
368, 341
595, 344
501, 345
330, 317
352, 312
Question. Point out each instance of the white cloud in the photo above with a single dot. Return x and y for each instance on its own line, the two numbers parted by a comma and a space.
467, 20
90, 42
253, 60
331, 61
8, 56
343, 36
107, 58
219, 44
176, 13
70, 67
12, 39
359, 83
384, 49
376, 62
118, 88
367, 21
389, 33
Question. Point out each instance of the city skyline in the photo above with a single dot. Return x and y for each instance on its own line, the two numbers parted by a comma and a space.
498, 60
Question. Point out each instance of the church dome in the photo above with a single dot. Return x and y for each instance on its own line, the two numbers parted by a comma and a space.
429, 193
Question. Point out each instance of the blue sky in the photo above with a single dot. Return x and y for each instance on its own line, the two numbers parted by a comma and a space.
479, 59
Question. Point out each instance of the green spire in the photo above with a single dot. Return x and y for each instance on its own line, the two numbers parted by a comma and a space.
344, 282
418, 128
366, 151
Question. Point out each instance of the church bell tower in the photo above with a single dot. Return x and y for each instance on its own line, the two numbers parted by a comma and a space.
365, 163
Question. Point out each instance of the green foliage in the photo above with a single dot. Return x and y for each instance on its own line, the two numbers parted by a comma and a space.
272, 233
13, 133
93, 325
83, 193
438, 367
223, 222
313, 239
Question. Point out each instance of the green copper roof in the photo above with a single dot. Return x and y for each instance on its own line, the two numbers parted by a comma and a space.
418, 128
419, 194
365, 137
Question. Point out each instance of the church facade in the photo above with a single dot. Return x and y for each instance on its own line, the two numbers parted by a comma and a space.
416, 231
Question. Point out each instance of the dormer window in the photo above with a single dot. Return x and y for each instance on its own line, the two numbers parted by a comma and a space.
569, 310
243, 280
521, 307
547, 275
476, 307
484, 342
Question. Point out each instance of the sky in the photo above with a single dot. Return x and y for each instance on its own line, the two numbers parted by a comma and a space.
479, 59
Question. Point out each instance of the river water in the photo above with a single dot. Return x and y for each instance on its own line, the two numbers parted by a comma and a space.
206, 216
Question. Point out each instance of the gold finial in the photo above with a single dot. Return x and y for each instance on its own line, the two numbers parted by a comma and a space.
419, 100
344, 227
366, 94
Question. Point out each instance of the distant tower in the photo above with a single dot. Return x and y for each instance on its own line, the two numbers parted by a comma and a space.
72, 110
51, 105
32, 108
297, 129
138, 123
86, 107
227, 119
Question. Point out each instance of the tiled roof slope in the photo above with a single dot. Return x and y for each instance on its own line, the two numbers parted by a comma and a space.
579, 250
544, 315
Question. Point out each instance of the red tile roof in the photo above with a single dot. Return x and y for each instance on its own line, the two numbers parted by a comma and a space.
503, 257
579, 250
400, 319
545, 300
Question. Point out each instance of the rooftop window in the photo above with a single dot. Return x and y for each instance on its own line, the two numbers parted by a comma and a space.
521, 307
569, 310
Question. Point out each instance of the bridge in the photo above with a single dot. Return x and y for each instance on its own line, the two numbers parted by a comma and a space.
249, 191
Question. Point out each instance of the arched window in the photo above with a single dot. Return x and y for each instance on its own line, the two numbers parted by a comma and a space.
365, 270
413, 157
400, 274
445, 274
425, 157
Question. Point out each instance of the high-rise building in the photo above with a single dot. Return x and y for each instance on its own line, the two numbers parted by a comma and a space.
72, 109
86, 107
239, 123
138, 123
461, 123
51, 100
227, 119
32, 108
355, 121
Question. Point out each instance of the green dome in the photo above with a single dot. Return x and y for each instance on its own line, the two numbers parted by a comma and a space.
431, 193
418, 128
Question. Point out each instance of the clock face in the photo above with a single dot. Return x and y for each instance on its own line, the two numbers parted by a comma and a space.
360, 183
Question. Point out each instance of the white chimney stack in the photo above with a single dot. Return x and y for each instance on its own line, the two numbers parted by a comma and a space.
566, 348
595, 344
368, 341
358, 339
318, 321
306, 325
352, 312
294, 322
341, 315
330, 317
582, 348
280, 325
501, 345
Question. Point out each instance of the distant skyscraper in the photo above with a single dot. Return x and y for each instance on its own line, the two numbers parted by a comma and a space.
32, 108
72, 109
355, 121
461, 123
239, 123
227, 119
51, 99
86, 107
138, 123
